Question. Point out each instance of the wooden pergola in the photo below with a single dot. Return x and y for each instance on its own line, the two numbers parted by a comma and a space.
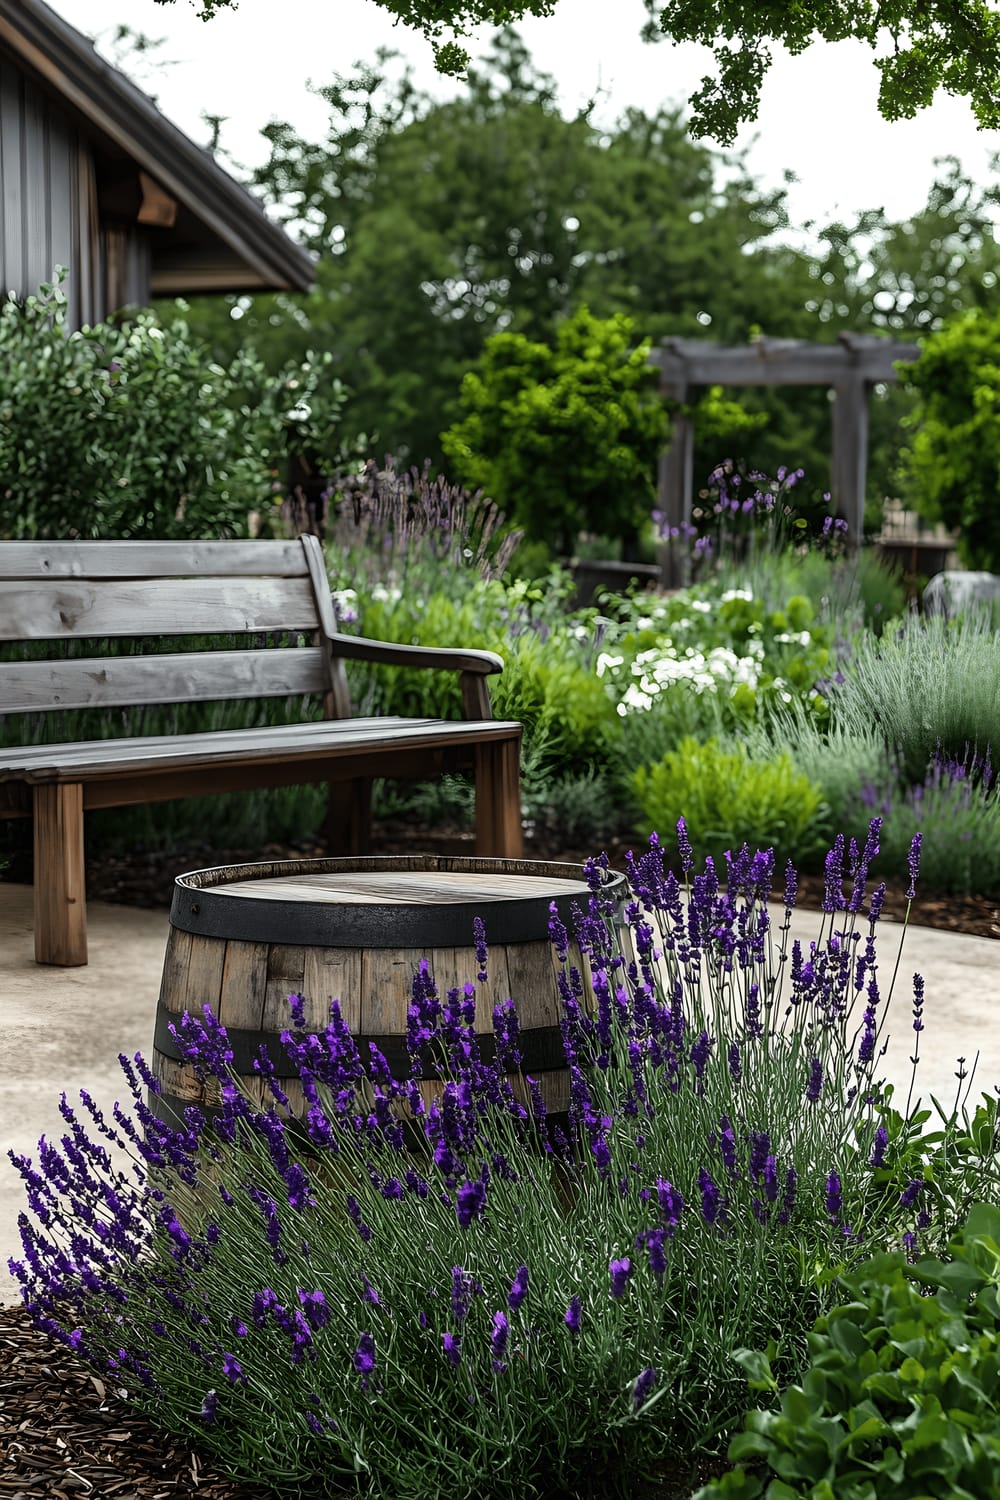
851, 367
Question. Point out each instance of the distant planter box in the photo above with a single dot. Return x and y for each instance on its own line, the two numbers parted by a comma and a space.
591, 575
916, 556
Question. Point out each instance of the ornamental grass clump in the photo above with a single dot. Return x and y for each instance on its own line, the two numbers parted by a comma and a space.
435, 1289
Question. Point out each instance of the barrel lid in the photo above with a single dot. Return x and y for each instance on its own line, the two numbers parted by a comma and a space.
384, 902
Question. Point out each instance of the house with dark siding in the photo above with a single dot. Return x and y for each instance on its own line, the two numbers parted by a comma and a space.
93, 177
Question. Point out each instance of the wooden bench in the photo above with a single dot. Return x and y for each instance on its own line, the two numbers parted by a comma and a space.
92, 591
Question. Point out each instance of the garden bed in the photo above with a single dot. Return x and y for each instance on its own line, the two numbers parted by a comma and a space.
65, 1433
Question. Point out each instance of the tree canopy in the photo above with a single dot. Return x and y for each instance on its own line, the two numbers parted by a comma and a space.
918, 48
438, 224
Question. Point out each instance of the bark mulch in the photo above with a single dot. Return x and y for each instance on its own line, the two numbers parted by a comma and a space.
65, 1434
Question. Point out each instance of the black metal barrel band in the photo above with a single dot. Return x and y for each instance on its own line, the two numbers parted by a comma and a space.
541, 1050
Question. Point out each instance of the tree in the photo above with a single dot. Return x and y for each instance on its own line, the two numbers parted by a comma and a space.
564, 437
437, 225
953, 463
949, 44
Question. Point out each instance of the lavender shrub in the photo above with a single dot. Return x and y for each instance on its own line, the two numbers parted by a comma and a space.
417, 1290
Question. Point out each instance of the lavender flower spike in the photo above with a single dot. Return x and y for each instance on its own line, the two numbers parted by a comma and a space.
913, 865
519, 1289
642, 1387
620, 1271
573, 1316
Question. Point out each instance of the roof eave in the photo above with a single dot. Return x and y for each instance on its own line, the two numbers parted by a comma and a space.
61, 57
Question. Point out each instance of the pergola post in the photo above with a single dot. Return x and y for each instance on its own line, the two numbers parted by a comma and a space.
849, 463
675, 480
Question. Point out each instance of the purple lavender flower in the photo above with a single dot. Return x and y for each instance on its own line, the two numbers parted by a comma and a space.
507, 1030
815, 1086
209, 1406
671, 1205
918, 1002
499, 1335
791, 886
314, 1307
834, 1200
573, 1315
833, 896
656, 1253
771, 1179
519, 1289
735, 1062
911, 1193
462, 1288
727, 1146
364, 1355
620, 1272
470, 1202
684, 848
479, 938
876, 903
354, 1211
913, 864
760, 1146
791, 1187
452, 1346
642, 1387
232, 1369
712, 1205
879, 1147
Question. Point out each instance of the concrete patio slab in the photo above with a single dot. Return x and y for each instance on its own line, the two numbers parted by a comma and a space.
62, 1029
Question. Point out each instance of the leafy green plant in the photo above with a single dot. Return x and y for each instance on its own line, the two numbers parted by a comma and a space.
129, 429
727, 799
566, 436
900, 1392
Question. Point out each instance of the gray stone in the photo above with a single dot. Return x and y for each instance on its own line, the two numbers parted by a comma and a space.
952, 592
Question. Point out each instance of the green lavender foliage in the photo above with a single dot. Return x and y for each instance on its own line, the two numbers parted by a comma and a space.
926, 684
899, 1394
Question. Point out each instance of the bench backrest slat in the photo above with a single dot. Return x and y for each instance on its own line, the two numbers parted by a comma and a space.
77, 609
206, 676
235, 559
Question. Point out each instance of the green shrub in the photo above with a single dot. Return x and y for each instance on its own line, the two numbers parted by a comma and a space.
727, 799
900, 1394
952, 468
129, 429
565, 438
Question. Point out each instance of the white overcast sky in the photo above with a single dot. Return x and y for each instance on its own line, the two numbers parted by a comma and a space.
818, 116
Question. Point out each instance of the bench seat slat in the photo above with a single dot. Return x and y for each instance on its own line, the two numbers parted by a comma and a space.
94, 759
196, 676
73, 609
38, 560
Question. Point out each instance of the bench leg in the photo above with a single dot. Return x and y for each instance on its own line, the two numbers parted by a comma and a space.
498, 799
348, 828
60, 883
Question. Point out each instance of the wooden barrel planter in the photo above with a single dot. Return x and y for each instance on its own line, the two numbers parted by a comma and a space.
245, 937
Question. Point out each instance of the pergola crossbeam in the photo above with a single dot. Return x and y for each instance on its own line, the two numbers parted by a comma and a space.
851, 366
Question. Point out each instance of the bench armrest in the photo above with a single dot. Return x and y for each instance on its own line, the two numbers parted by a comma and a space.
359, 648
474, 666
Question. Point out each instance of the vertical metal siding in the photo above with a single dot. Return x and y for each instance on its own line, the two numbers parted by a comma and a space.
48, 199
